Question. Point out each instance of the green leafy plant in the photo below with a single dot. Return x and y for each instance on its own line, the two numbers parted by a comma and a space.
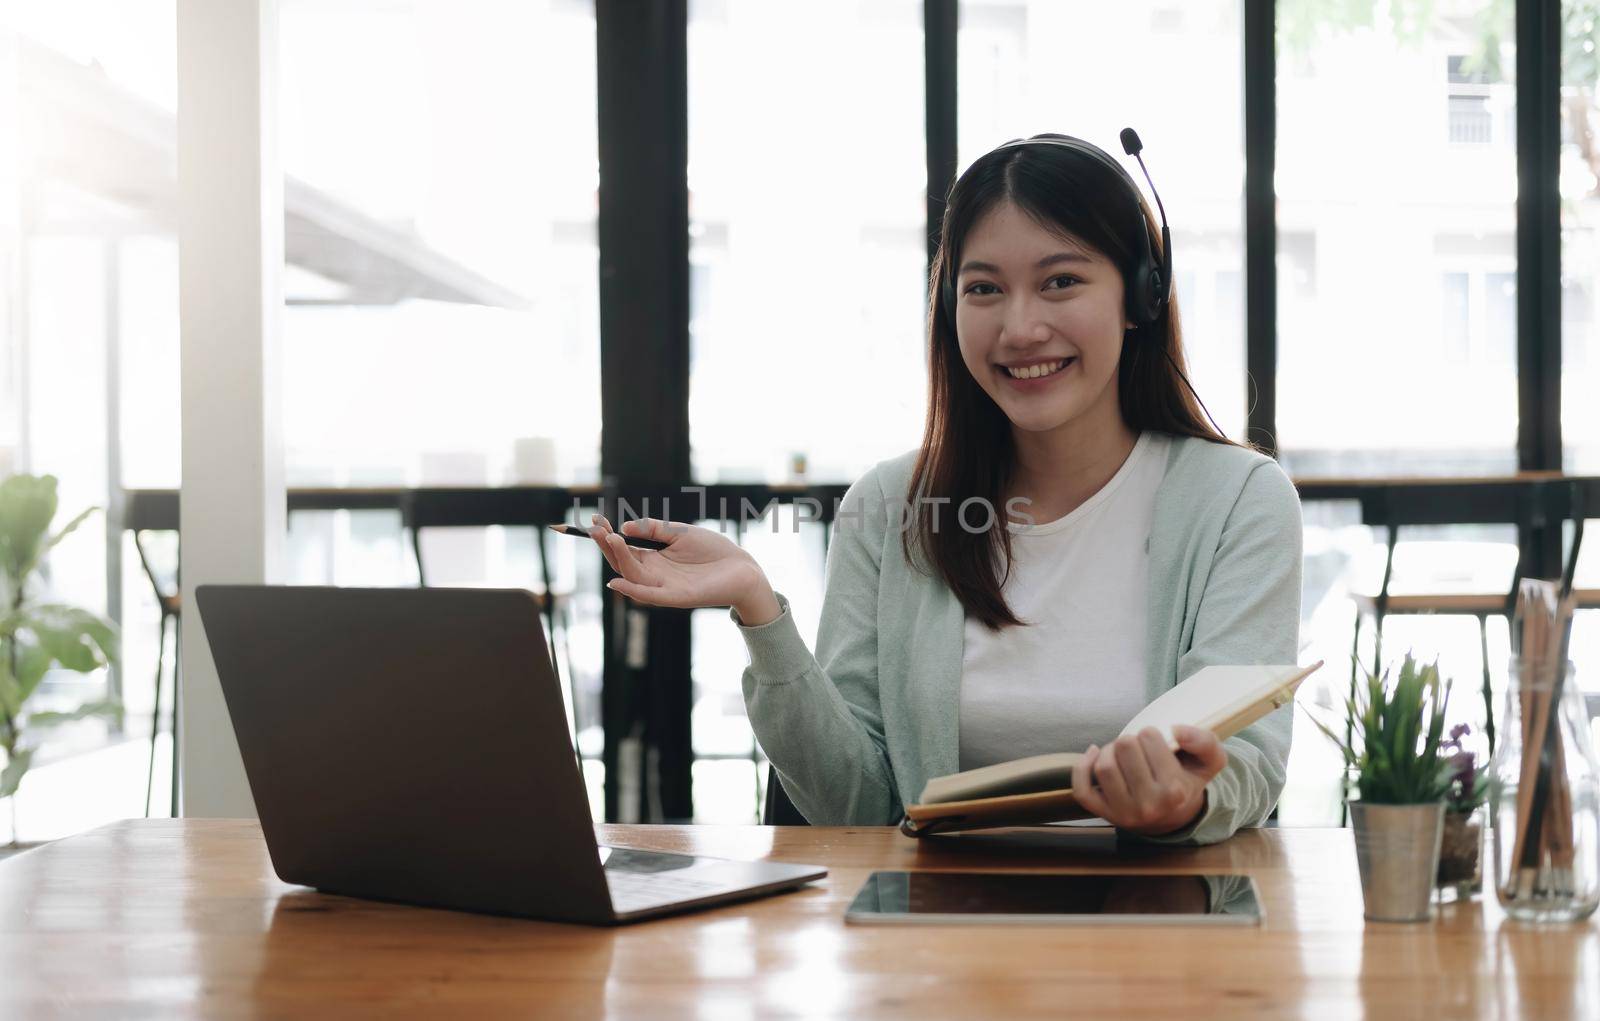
36, 636
1394, 741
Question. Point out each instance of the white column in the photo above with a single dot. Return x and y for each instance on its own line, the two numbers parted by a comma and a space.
13, 252
230, 269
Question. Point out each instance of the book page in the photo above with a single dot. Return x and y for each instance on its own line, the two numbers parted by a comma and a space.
1214, 695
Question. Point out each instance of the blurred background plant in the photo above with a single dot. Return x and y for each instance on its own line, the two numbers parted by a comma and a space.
37, 636
1468, 778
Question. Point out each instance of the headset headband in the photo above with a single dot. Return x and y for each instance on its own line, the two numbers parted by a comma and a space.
1149, 285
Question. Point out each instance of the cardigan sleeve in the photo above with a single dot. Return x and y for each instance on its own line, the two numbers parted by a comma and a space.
1249, 613
818, 717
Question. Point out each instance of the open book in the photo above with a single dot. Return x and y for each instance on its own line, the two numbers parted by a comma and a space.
1038, 789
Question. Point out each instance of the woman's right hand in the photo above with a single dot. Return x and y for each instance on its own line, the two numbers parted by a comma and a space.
698, 567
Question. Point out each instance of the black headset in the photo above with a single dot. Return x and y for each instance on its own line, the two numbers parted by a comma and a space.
1148, 285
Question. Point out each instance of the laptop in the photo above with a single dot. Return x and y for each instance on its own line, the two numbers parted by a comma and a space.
411, 745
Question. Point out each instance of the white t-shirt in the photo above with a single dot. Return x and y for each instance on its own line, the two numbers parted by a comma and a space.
1074, 676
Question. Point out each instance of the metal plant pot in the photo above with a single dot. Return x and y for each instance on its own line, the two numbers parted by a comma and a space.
1397, 850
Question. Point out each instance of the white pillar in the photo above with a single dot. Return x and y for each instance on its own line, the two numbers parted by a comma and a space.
230, 269
13, 252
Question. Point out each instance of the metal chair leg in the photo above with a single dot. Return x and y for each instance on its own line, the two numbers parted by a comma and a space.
155, 713
1349, 724
416, 554
760, 795
1488, 687
177, 703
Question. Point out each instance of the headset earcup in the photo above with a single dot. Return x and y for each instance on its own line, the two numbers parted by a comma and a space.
1141, 296
1154, 300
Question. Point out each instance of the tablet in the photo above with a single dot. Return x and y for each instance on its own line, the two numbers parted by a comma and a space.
1029, 898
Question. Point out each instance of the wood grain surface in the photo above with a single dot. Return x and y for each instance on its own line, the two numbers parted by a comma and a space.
184, 918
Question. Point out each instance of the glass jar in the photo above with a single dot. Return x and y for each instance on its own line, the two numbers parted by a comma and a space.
1544, 792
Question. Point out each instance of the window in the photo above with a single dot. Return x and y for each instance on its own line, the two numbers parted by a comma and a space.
88, 333
1580, 243
1457, 317
1479, 316
1414, 242
443, 327
1500, 300
808, 285
1577, 320
1396, 320
443, 319
807, 219
1471, 117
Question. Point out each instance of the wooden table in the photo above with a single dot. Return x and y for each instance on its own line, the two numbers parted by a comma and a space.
167, 918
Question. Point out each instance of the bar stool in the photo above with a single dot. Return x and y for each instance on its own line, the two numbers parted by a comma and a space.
1476, 599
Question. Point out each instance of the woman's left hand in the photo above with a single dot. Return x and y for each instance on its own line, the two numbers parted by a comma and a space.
1137, 783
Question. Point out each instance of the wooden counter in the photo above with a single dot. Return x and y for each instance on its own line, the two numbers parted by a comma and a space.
181, 918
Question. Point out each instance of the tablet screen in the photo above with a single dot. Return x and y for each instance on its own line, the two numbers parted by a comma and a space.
1041, 897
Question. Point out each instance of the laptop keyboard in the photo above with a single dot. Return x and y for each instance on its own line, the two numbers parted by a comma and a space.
636, 889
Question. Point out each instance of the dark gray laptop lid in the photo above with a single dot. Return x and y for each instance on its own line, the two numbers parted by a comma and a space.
408, 744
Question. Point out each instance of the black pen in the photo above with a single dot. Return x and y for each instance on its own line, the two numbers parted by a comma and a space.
631, 540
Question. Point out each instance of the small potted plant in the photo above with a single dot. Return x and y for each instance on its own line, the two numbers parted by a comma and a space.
1395, 750
36, 636
1461, 846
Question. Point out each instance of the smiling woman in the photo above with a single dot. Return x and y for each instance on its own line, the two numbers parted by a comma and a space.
1137, 544
1047, 236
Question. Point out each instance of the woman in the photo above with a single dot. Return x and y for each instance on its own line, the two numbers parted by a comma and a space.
1071, 539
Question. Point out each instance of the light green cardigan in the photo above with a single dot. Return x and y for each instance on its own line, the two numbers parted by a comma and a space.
857, 730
